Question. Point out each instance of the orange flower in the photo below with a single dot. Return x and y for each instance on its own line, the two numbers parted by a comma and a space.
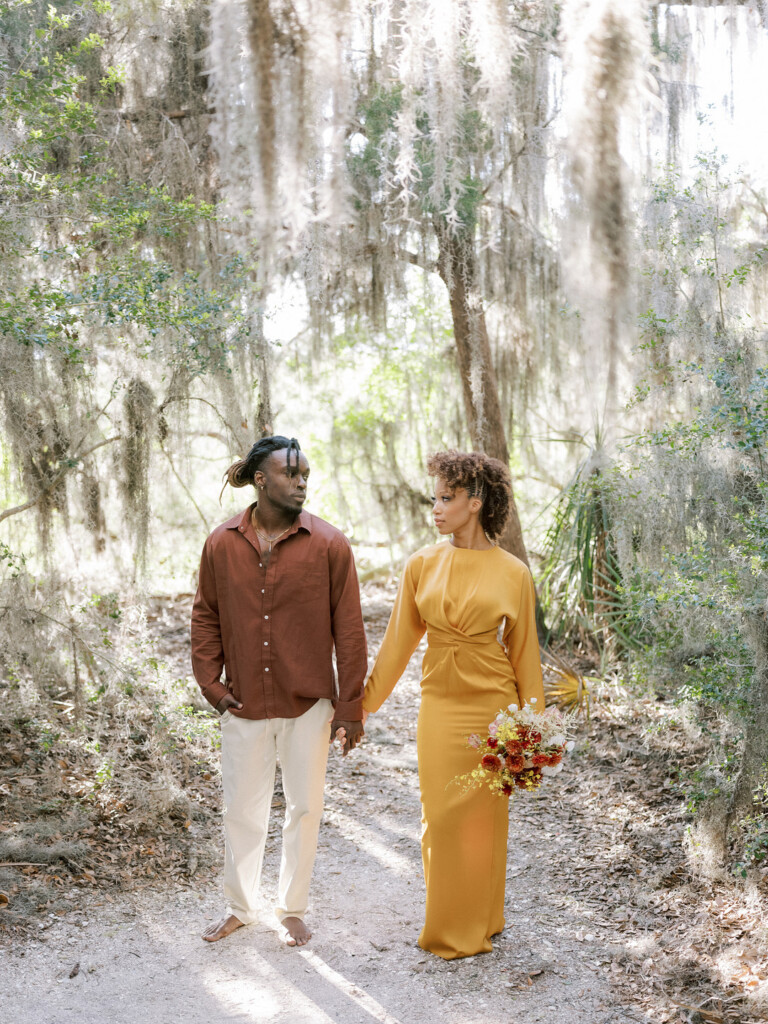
491, 762
516, 763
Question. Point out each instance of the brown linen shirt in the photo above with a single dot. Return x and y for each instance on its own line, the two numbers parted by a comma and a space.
273, 626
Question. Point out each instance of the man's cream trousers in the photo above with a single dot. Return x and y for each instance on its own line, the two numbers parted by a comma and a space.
249, 752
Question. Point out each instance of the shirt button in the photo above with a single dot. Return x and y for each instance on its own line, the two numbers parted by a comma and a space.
266, 616
261, 566
266, 643
263, 591
266, 669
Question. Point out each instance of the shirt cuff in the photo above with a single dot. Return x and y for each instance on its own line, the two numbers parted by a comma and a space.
214, 692
349, 710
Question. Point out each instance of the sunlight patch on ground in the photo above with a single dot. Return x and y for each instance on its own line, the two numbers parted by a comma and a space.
366, 1002
365, 840
262, 994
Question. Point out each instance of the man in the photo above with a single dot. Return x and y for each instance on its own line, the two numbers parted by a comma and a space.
277, 593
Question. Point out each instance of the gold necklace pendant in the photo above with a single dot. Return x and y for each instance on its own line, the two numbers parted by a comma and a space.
266, 537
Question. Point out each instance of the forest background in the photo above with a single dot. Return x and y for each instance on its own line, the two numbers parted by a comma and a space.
532, 228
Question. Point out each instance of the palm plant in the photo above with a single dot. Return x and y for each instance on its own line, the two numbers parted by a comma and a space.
581, 584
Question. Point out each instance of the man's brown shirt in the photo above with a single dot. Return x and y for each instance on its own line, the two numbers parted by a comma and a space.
273, 626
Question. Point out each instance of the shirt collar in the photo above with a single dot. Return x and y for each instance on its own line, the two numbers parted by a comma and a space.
244, 522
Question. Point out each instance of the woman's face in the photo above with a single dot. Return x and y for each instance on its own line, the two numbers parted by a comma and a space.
453, 508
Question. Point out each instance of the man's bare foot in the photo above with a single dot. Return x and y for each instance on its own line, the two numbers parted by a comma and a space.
222, 928
295, 932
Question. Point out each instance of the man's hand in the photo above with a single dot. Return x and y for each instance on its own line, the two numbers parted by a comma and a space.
349, 734
228, 701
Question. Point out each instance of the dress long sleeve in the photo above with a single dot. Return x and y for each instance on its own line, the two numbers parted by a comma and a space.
405, 629
522, 644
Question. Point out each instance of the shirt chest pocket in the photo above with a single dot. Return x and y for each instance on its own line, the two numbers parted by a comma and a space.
303, 584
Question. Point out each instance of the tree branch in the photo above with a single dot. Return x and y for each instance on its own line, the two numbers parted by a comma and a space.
196, 398
402, 254
70, 464
517, 154
185, 488
172, 115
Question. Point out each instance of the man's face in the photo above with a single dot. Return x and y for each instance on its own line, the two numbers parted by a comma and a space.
284, 486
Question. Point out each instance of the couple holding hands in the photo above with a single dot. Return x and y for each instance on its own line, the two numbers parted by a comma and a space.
277, 596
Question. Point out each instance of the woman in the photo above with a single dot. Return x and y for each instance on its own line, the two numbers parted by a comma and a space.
460, 593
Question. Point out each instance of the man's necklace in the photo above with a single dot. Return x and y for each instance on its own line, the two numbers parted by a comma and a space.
266, 537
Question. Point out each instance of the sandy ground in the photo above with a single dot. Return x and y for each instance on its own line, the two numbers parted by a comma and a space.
140, 957
590, 937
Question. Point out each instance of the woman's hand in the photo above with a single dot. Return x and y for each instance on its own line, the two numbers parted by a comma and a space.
349, 734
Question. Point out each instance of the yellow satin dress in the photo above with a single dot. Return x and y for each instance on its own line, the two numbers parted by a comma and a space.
460, 597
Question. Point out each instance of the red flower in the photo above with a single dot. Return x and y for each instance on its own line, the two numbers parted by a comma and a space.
506, 789
515, 764
491, 762
492, 742
513, 747
555, 759
536, 737
539, 759
521, 782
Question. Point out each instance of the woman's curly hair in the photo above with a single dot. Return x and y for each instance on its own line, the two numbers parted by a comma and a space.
482, 477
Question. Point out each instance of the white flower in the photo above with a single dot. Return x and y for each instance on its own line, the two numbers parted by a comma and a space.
570, 745
512, 707
551, 769
532, 700
557, 740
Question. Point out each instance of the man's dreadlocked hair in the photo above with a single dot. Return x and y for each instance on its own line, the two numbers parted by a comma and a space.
241, 473
482, 477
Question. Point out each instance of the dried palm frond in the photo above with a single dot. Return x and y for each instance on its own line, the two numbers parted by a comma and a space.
564, 686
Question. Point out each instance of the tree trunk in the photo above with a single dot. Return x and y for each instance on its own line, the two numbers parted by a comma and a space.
264, 417
754, 757
456, 266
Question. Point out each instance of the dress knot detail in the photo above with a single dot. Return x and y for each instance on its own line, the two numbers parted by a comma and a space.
439, 638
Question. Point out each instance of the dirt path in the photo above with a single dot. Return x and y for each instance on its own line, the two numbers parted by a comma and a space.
140, 957
602, 915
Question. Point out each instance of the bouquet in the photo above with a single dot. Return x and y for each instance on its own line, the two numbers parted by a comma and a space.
520, 749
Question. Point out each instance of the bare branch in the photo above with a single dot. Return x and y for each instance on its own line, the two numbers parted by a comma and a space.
402, 254
197, 398
172, 115
518, 153
185, 488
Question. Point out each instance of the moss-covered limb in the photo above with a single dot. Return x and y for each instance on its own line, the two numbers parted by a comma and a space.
72, 463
